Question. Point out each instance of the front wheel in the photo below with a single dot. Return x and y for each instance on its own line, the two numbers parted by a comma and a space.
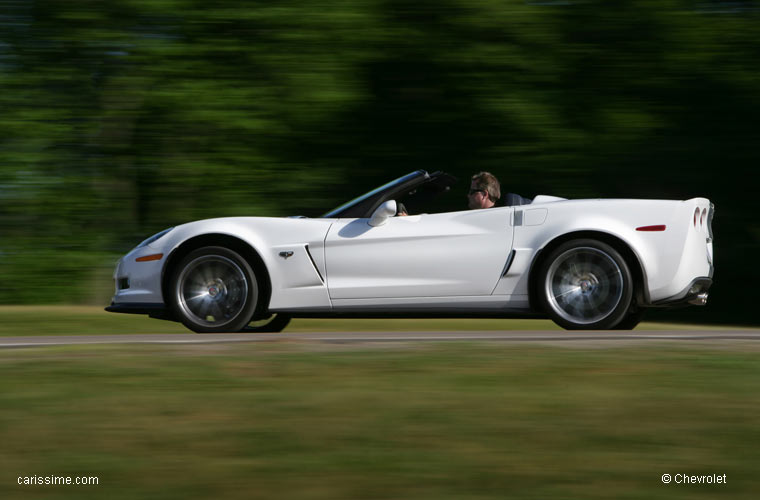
213, 290
586, 284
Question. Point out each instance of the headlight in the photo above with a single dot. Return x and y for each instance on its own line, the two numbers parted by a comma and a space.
153, 238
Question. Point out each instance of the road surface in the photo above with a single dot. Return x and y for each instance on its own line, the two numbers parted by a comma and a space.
607, 338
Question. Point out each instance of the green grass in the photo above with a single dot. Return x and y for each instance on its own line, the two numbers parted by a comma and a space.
90, 320
442, 421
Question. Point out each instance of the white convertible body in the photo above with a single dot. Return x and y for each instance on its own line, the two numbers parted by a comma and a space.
503, 261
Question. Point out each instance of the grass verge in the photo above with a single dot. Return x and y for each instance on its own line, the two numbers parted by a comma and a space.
437, 422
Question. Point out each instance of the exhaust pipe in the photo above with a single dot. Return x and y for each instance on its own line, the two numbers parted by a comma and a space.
699, 300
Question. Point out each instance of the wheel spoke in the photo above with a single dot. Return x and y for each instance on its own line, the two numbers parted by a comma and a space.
195, 297
571, 290
203, 309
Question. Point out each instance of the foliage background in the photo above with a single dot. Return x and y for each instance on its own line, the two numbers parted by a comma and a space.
118, 119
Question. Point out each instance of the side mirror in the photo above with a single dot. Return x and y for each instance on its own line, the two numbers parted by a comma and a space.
382, 213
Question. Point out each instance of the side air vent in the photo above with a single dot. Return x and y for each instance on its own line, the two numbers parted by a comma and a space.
314, 264
508, 263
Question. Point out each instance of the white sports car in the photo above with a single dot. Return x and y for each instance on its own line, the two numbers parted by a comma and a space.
586, 264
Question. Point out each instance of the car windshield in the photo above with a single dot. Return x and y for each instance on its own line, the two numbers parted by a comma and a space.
363, 197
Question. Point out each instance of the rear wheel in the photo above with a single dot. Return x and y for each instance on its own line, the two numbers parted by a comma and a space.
586, 284
213, 290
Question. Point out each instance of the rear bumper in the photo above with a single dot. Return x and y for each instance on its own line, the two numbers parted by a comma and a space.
694, 294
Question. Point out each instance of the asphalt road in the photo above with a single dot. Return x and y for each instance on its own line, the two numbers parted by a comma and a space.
600, 338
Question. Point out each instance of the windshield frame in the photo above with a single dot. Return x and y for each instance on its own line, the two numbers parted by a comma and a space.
391, 186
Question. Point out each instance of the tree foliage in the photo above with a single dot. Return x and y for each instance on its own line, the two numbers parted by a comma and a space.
118, 119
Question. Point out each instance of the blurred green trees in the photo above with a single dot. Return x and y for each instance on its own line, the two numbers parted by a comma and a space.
118, 119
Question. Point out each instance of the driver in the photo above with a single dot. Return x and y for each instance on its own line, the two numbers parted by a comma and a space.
484, 191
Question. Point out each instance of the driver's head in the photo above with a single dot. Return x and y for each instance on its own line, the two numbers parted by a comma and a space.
484, 191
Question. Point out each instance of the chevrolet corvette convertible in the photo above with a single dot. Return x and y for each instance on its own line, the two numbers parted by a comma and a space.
586, 264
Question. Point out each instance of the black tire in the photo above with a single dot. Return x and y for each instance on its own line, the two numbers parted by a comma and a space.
585, 284
632, 319
213, 290
273, 324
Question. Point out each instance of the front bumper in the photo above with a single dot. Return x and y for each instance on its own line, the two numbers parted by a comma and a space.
158, 311
138, 282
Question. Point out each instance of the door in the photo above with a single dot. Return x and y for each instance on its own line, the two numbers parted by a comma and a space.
429, 255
